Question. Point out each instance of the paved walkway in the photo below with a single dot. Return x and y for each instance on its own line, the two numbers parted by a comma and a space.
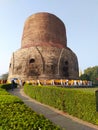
57, 117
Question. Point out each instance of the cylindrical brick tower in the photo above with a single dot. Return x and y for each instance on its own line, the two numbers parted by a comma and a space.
44, 53
44, 29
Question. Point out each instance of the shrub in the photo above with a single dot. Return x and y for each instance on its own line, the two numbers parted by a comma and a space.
15, 115
7, 86
79, 103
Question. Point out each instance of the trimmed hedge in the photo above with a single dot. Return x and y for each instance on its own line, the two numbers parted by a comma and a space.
7, 86
15, 115
77, 102
3, 92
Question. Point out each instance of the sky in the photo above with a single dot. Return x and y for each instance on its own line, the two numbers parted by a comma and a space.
79, 16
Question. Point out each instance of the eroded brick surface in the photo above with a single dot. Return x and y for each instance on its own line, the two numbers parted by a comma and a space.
44, 52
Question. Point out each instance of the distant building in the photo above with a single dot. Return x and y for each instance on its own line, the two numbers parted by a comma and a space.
44, 53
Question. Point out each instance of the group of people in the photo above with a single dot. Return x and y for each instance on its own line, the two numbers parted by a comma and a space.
14, 82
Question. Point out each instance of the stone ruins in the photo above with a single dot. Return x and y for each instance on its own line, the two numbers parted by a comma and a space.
44, 53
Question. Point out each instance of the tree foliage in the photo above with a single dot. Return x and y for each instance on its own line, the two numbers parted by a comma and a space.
84, 77
90, 73
4, 76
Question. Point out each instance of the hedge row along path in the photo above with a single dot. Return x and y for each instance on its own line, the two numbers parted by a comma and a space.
57, 117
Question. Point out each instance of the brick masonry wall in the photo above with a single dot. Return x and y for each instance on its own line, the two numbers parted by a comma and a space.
48, 63
44, 52
43, 29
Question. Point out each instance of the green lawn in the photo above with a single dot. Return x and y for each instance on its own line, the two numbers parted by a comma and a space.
86, 89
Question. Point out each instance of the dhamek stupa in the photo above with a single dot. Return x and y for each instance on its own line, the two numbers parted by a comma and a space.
44, 53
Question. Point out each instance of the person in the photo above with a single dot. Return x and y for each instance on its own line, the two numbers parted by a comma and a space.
12, 84
20, 83
23, 83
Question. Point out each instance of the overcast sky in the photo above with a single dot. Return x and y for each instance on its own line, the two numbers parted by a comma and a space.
79, 16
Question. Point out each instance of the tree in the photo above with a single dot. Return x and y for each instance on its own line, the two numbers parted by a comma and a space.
4, 76
91, 73
84, 77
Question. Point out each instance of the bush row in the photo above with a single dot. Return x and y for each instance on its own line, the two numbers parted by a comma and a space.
15, 115
7, 86
79, 103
